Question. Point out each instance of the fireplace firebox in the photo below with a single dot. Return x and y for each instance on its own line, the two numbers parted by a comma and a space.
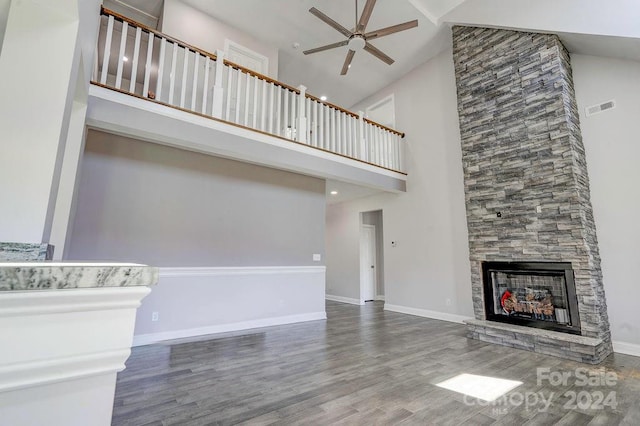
533, 294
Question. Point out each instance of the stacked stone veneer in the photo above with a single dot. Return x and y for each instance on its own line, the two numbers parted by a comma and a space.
25, 252
522, 153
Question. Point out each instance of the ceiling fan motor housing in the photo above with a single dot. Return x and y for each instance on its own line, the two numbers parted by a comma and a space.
357, 42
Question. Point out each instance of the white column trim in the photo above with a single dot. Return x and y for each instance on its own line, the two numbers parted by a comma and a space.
41, 302
44, 372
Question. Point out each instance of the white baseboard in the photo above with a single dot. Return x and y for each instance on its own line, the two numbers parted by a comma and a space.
146, 339
380, 297
626, 348
343, 299
442, 316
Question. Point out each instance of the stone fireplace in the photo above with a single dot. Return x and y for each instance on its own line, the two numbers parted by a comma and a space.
527, 197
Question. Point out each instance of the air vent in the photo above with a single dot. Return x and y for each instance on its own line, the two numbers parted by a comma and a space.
597, 109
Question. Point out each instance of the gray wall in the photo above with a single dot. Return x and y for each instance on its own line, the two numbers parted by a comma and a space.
162, 206
429, 267
612, 150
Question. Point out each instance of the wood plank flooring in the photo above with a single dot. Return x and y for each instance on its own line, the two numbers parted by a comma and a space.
363, 366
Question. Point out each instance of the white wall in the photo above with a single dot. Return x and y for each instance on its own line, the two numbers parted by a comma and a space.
430, 264
205, 32
612, 151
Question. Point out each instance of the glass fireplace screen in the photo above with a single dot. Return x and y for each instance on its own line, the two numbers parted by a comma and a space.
534, 294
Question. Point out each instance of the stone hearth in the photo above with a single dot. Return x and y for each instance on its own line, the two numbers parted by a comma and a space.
526, 182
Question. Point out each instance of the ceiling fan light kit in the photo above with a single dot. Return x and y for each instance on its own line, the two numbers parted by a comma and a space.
358, 39
356, 42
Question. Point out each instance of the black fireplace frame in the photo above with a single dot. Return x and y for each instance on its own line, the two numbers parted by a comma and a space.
529, 268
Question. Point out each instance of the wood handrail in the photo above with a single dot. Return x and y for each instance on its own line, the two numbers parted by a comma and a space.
122, 18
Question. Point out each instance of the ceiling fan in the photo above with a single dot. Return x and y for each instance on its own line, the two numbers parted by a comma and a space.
358, 39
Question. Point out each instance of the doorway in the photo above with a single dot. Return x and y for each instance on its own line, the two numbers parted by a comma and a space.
371, 257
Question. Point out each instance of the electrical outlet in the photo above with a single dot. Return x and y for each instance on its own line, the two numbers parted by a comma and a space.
448, 302
155, 316
317, 257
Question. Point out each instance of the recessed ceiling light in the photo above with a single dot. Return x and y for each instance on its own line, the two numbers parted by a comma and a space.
323, 98
124, 58
349, 66
334, 193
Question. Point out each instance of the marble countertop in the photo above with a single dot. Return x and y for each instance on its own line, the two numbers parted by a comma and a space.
62, 275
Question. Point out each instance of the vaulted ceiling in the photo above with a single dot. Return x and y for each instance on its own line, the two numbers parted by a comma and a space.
589, 27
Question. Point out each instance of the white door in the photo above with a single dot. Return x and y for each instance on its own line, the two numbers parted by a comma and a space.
367, 263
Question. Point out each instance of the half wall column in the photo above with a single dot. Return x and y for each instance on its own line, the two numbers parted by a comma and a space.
39, 68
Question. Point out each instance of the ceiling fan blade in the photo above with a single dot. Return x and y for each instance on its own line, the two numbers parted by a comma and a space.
330, 22
378, 53
347, 61
366, 14
327, 47
390, 30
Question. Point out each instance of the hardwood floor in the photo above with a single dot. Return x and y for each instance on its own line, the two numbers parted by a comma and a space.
364, 366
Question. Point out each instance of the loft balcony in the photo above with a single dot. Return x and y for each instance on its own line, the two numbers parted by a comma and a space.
153, 87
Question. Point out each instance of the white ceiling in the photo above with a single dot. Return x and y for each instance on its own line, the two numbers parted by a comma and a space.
284, 22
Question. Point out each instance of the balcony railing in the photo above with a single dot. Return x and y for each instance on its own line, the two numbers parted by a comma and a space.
140, 61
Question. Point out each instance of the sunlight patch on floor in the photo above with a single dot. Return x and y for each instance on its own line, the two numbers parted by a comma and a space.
481, 387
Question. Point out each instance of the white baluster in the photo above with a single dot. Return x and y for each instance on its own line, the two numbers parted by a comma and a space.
333, 129
278, 94
134, 61
194, 87
229, 88
94, 74
320, 127
294, 114
218, 89
263, 105
314, 126
302, 117
386, 159
172, 75
107, 51
238, 91
255, 103
205, 84
271, 108
247, 86
185, 68
287, 128
348, 135
147, 67
163, 48
362, 137
308, 115
123, 46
